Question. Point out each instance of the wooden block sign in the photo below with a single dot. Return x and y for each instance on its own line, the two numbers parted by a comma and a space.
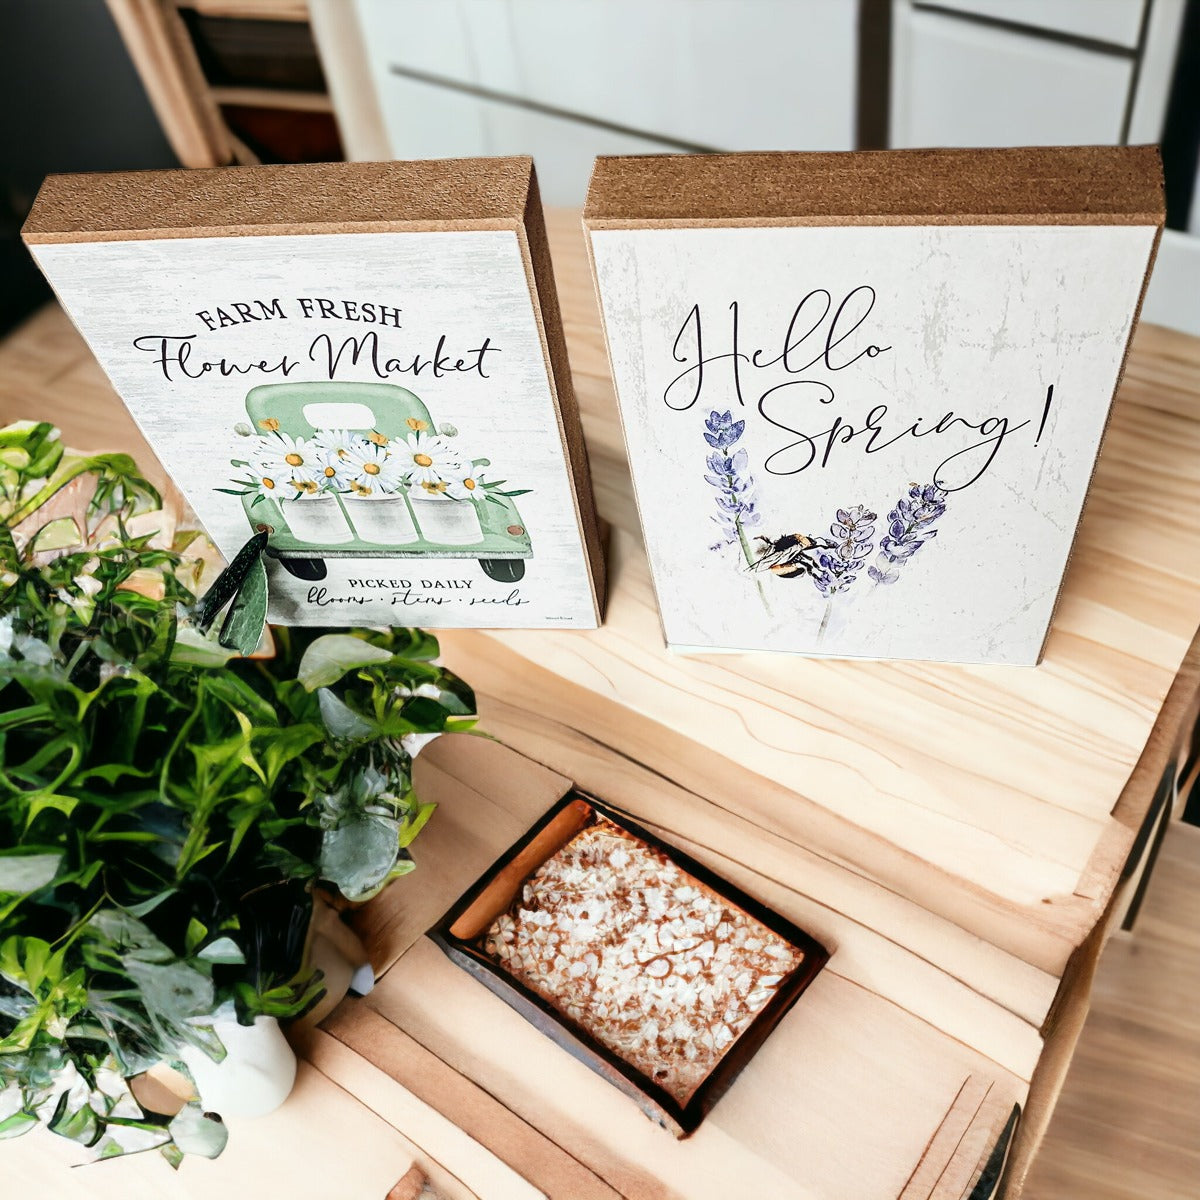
863, 394
366, 360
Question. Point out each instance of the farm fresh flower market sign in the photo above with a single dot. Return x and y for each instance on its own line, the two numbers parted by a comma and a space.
371, 374
864, 393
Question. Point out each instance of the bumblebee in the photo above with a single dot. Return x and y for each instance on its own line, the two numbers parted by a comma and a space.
792, 556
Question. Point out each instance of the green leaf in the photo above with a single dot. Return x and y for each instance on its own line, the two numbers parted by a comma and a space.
416, 824
27, 962
125, 1136
241, 697
174, 990
148, 906
358, 855
51, 801
196, 1132
341, 721
223, 950
17, 1124
129, 935
195, 649
243, 626
329, 658
22, 872
197, 931
80, 1124
285, 745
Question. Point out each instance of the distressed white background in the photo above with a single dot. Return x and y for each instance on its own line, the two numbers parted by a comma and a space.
468, 285
980, 319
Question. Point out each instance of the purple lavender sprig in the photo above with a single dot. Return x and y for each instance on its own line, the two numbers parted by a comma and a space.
727, 473
853, 536
910, 526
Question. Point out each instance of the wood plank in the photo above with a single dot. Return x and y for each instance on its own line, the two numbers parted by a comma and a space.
452, 1159
958, 1118
335, 1146
937, 1019
374, 1039
821, 1073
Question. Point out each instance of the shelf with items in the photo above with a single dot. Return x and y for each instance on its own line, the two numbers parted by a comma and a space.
942, 981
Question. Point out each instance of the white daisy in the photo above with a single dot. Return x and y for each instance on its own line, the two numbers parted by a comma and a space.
430, 460
333, 471
336, 442
275, 485
285, 455
374, 467
466, 488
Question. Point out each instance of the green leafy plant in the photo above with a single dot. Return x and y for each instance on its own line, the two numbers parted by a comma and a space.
167, 808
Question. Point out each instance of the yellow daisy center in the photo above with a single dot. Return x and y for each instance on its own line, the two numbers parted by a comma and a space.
371, 468
380, 439
423, 460
469, 484
269, 484
294, 459
330, 472
435, 488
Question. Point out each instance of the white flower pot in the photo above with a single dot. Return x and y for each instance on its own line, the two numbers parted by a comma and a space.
384, 519
256, 1075
446, 521
317, 519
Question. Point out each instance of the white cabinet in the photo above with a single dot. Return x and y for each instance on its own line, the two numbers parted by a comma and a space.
1117, 22
426, 120
565, 80
727, 74
964, 83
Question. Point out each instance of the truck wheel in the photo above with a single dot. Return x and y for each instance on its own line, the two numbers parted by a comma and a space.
309, 569
503, 570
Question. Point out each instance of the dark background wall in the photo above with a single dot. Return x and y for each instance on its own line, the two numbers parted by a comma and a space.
71, 102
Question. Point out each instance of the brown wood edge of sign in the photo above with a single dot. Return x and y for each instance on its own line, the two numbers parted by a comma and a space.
598, 224
998, 185
535, 254
282, 229
281, 198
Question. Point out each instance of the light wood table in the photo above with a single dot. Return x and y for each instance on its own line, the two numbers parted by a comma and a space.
963, 837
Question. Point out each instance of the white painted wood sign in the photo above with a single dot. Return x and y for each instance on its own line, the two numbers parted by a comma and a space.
377, 391
863, 409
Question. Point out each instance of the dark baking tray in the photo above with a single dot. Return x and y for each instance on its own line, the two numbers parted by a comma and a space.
463, 926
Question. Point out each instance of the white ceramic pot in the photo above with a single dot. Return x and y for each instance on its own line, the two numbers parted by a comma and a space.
317, 519
256, 1075
446, 521
384, 519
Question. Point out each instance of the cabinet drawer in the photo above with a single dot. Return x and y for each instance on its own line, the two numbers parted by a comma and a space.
958, 83
426, 120
725, 74
1117, 22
